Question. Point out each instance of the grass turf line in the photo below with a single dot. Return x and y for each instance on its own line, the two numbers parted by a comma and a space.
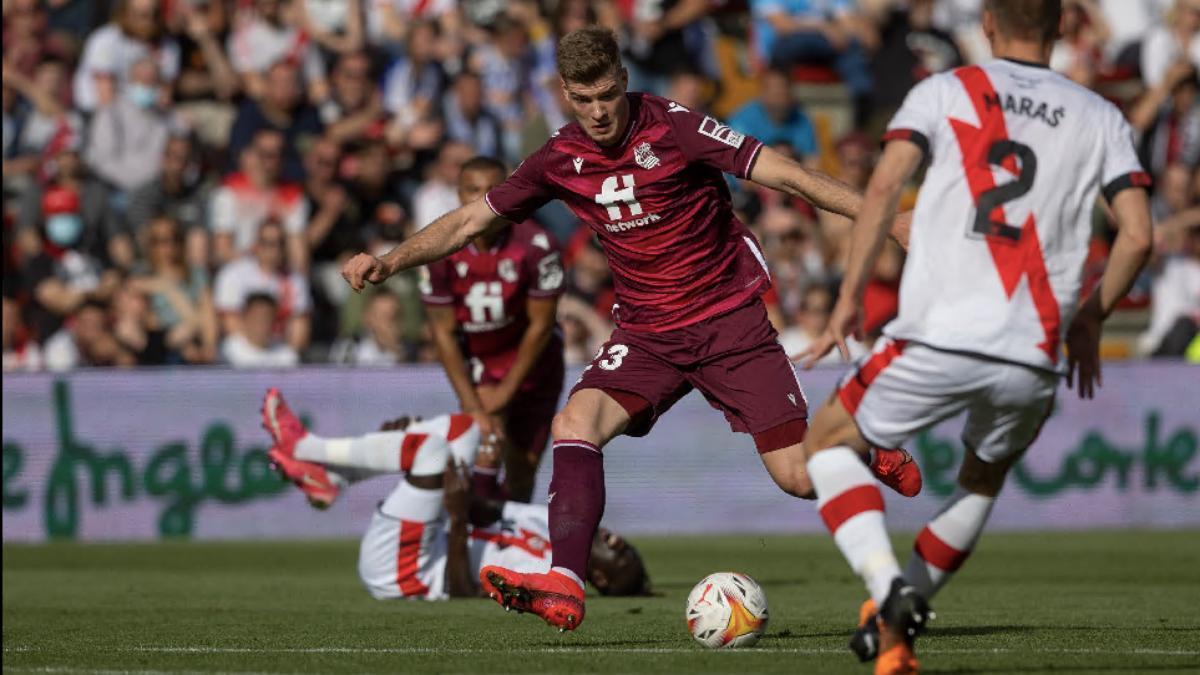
1062, 602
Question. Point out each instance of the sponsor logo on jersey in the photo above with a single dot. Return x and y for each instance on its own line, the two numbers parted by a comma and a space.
626, 225
644, 156
672, 106
717, 131
462, 268
578, 162
540, 241
507, 270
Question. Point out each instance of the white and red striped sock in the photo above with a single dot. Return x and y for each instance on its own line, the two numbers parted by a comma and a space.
852, 507
944, 544
382, 452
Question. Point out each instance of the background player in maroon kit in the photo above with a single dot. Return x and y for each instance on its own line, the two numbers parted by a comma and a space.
492, 308
646, 175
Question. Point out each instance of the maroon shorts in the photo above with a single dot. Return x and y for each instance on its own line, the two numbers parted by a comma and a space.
734, 359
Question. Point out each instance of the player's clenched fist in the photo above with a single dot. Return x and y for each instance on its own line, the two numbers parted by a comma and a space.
363, 268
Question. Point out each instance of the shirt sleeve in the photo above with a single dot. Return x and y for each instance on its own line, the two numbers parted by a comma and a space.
705, 140
544, 267
1121, 168
435, 283
918, 116
524, 192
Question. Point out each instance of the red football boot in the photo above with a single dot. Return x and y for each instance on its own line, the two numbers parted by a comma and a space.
897, 470
279, 421
555, 597
314, 481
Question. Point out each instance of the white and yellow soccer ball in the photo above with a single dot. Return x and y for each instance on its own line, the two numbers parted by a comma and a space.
727, 610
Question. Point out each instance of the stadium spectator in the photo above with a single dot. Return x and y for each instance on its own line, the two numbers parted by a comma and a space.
390, 22
809, 320
791, 32
335, 228
281, 108
135, 329
775, 118
911, 48
1168, 119
255, 344
354, 110
179, 191
505, 63
374, 186
43, 123
380, 342
663, 41
136, 32
21, 351
467, 120
439, 193
1177, 38
264, 273
412, 88
178, 293
206, 72
63, 274
690, 90
265, 34
1175, 313
335, 25
127, 137
253, 195
87, 341
1079, 52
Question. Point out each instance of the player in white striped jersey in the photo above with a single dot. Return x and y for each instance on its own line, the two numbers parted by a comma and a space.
1017, 156
430, 536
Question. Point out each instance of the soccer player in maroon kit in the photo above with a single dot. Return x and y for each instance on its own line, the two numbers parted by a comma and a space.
492, 308
646, 175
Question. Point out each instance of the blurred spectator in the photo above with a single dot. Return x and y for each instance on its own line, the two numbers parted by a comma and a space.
21, 351
179, 191
333, 233
63, 275
794, 251
1176, 39
354, 109
1079, 52
690, 90
254, 195
1175, 312
335, 25
910, 49
791, 32
127, 137
390, 22
87, 340
1129, 21
135, 328
384, 218
136, 33
775, 117
180, 303
855, 158
267, 33
505, 63
438, 195
255, 345
808, 322
206, 72
264, 272
64, 171
380, 342
412, 89
467, 120
1168, 119
661, 40
281, 108
41, 124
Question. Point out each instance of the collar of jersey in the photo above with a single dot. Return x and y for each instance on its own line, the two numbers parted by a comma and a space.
1022, 62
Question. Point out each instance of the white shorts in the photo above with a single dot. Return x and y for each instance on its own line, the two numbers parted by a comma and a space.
904, 387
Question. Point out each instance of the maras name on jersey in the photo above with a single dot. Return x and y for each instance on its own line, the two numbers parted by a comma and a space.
1023, 105
626, 225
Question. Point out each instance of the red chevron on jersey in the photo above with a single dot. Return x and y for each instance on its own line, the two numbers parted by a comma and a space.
1013, 259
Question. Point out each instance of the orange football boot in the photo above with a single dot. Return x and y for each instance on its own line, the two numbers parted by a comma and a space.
555, 597
897, 470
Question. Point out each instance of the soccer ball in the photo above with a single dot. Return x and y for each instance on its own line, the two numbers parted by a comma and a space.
727, 609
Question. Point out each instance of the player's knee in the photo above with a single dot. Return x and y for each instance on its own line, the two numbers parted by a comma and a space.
572, 424
797, 484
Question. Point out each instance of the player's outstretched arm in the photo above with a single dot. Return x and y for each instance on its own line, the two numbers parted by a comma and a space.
774, 170
900, 159
1129, 254
441, 238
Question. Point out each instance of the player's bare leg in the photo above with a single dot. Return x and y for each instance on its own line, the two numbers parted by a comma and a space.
851, 505
590, 419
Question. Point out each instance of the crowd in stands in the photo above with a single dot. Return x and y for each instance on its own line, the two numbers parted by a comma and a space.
184, 178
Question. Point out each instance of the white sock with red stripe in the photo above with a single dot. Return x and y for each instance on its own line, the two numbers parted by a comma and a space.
852, 507
421, 449
944, 544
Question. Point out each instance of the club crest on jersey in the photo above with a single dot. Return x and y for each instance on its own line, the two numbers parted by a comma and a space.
507, 270
645, 157
462, 268
717, 131
578, 162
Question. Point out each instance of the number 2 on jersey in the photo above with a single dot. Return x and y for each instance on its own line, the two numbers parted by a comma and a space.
997, 196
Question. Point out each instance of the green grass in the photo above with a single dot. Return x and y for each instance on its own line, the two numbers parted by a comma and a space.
1073, 603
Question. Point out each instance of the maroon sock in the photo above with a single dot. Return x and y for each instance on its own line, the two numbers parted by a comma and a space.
485, 484
576, 503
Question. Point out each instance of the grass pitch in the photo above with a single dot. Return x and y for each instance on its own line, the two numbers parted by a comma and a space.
1097, 602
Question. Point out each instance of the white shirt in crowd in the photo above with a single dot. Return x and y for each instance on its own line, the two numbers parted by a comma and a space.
255, 45
364, 351
433, 200
244, 277
238, 352
61, 353
109, 51
238, 207
1160, 49
1176, 294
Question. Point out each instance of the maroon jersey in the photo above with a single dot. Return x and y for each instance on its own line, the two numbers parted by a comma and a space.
660, 206
488, 290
